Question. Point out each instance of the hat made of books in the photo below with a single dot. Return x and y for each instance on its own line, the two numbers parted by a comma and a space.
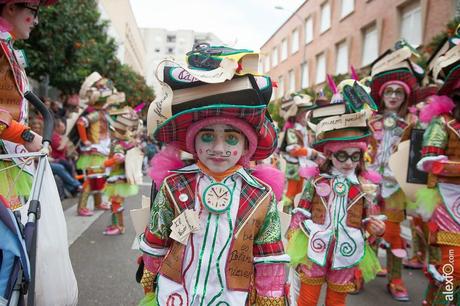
396, 67
296, 104
219, 82
344, 121
444, 64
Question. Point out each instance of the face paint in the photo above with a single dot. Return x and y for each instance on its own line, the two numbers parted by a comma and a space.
219, 147
23, 20
348, 166
393, 97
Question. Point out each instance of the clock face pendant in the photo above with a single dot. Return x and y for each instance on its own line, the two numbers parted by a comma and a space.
217, 198
340, 188
389, 122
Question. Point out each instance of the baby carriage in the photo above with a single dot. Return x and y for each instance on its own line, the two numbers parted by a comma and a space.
34, 257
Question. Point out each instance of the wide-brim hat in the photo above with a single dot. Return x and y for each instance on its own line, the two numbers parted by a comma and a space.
228, 96
347, 127
403, 75
395, 66
451, 81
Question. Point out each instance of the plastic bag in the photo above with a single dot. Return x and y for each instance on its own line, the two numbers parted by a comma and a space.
55, 282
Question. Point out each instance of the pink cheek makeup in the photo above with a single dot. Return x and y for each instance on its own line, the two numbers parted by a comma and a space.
235, 153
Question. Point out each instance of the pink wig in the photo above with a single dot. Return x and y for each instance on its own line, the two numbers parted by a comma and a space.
334, 146
271, 176
395, 82
239, 124
164, 161
438, 105
309, 172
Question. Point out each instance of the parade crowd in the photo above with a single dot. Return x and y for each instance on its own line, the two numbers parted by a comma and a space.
259, 212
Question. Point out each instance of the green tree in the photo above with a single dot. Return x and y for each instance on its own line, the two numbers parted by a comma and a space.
70, 42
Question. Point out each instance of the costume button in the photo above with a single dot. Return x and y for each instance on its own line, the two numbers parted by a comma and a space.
183, 197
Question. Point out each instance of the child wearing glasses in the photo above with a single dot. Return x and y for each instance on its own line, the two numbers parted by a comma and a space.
393, 89
327, 237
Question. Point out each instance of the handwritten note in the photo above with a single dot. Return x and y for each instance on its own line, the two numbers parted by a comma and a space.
341, 122
183, 225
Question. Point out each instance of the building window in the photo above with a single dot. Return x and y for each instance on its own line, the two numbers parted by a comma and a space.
295, 41
347, 7
275, 57
171, 38
305, 76
411, 24
370, 46
291, 81
325, 17
284, 49
320, 68
308, 30
267, 63
280, 87
341, 61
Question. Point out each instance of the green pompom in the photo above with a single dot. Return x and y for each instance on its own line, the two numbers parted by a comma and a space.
297, 248
150, 299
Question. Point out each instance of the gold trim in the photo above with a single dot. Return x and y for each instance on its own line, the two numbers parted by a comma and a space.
395, 215
269, 301
448, 238
342, 288
312, 280
3, 127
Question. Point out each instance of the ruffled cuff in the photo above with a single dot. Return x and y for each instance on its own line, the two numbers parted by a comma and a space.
426, 163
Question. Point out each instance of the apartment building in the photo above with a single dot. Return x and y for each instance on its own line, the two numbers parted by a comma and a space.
165, 44
124, 29
327, 36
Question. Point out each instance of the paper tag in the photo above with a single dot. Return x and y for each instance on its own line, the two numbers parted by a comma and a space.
183, 225
341, 122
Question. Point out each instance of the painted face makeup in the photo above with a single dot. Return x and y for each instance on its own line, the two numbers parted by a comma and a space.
23, 19
219, 146
346, 160
393, 97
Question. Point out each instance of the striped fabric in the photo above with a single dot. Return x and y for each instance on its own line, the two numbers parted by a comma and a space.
403, 75
175, 130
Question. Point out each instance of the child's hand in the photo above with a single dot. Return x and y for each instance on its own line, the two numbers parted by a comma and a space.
376, 227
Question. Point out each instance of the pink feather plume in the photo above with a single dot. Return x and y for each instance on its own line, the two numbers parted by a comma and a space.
139, 107
309, 172
354, 75
164, 161
372, 176
438, 105
271, 176
331, 83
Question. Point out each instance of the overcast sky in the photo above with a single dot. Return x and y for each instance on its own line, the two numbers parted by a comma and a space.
238, 23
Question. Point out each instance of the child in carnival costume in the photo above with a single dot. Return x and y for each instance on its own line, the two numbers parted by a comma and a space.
295, 146
231, 246
119, 186
394, 80
440, 202
93, 129
327, 239
17, 19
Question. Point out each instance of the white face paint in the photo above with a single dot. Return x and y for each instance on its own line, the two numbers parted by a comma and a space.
393, 97
22, 19
219, 146
343, 160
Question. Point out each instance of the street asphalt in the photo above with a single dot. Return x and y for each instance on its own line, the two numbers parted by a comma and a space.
105, 266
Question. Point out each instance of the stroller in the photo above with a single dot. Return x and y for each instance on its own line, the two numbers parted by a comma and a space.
18, 242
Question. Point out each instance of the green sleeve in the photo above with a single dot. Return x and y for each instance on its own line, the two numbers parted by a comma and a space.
270, 231
436, 134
